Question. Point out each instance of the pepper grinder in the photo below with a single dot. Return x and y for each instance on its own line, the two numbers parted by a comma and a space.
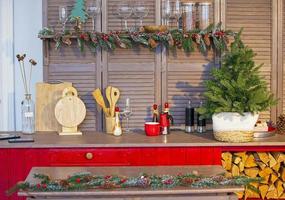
189, 118
201, 123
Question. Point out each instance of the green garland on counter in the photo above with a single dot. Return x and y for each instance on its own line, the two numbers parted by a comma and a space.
84, 181
213, 37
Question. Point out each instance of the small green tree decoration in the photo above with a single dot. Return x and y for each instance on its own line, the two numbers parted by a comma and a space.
78, 12
237, 85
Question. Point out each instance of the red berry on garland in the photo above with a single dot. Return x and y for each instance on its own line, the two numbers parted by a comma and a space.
105, 37
44, 186
168, 182
123, 180
78, 180
82, 36
38, 185
219, 34
108, 177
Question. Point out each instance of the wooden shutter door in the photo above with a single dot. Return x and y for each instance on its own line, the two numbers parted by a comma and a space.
184, 74
69, 64
133, 71
256, 17
281, 64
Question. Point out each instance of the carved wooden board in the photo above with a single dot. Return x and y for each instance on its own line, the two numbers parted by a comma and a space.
47, 95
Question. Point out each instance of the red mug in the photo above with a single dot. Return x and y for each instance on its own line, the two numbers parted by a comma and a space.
152, 128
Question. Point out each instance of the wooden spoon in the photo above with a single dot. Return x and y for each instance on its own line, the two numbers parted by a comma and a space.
97, 95
108, 96
115, 95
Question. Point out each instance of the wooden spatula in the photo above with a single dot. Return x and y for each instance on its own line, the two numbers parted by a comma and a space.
115, 95
97, 95
108, 95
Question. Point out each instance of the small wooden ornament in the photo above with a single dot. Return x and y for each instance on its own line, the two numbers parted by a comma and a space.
70, 111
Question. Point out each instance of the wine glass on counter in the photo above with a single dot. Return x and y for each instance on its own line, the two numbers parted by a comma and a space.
126, 113
177, 12
167, 11
140, 11
125, 10
63, 16
94, 9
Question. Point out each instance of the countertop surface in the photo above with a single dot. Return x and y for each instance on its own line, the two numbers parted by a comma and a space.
97, 140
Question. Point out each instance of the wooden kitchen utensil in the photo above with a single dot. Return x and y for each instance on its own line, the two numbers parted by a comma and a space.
115, 95
70, 111
47, 95
97, 95
108, 95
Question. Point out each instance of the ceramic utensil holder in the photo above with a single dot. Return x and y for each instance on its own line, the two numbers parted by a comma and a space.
110, 124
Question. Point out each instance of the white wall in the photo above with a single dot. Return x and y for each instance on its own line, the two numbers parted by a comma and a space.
27, 23
6, 66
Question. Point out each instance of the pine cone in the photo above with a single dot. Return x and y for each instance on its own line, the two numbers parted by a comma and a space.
207, 39
153, 44
280, 124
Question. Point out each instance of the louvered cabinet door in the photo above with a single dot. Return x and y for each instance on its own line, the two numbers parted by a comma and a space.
281, 70
69, 64
256, 17
133, 71
184, 74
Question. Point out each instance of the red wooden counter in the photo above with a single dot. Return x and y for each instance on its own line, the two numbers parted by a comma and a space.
133, 149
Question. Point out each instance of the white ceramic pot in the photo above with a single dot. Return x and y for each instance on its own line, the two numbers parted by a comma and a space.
231, 121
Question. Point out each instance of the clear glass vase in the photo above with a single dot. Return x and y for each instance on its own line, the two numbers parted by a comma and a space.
28, 115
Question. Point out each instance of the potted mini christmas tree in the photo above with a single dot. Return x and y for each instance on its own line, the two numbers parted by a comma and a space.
236, 95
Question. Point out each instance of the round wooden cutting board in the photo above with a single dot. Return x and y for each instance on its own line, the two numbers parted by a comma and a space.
70, 111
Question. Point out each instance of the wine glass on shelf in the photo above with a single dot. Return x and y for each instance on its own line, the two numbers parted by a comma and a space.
124, 10
167, 11
63, 16
94, 9
177, 12
140, 11
126, 113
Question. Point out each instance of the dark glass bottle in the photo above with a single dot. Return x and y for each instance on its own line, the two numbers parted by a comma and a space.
201, 123
189, 118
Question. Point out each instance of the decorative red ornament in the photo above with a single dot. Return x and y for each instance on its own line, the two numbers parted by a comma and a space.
154, 106
38, 185
117, 109
78, 180
166, 105
44, 186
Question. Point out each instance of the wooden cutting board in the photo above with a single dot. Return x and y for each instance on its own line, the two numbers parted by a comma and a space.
47, 95
70, 111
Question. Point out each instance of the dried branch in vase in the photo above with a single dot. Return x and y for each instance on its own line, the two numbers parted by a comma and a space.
24, 72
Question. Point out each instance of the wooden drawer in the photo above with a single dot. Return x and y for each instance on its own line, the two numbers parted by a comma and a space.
99, 157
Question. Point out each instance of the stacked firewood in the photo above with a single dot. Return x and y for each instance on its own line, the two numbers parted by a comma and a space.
269, 166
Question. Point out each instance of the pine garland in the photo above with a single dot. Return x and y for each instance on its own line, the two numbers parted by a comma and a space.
86, 181
213, 37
